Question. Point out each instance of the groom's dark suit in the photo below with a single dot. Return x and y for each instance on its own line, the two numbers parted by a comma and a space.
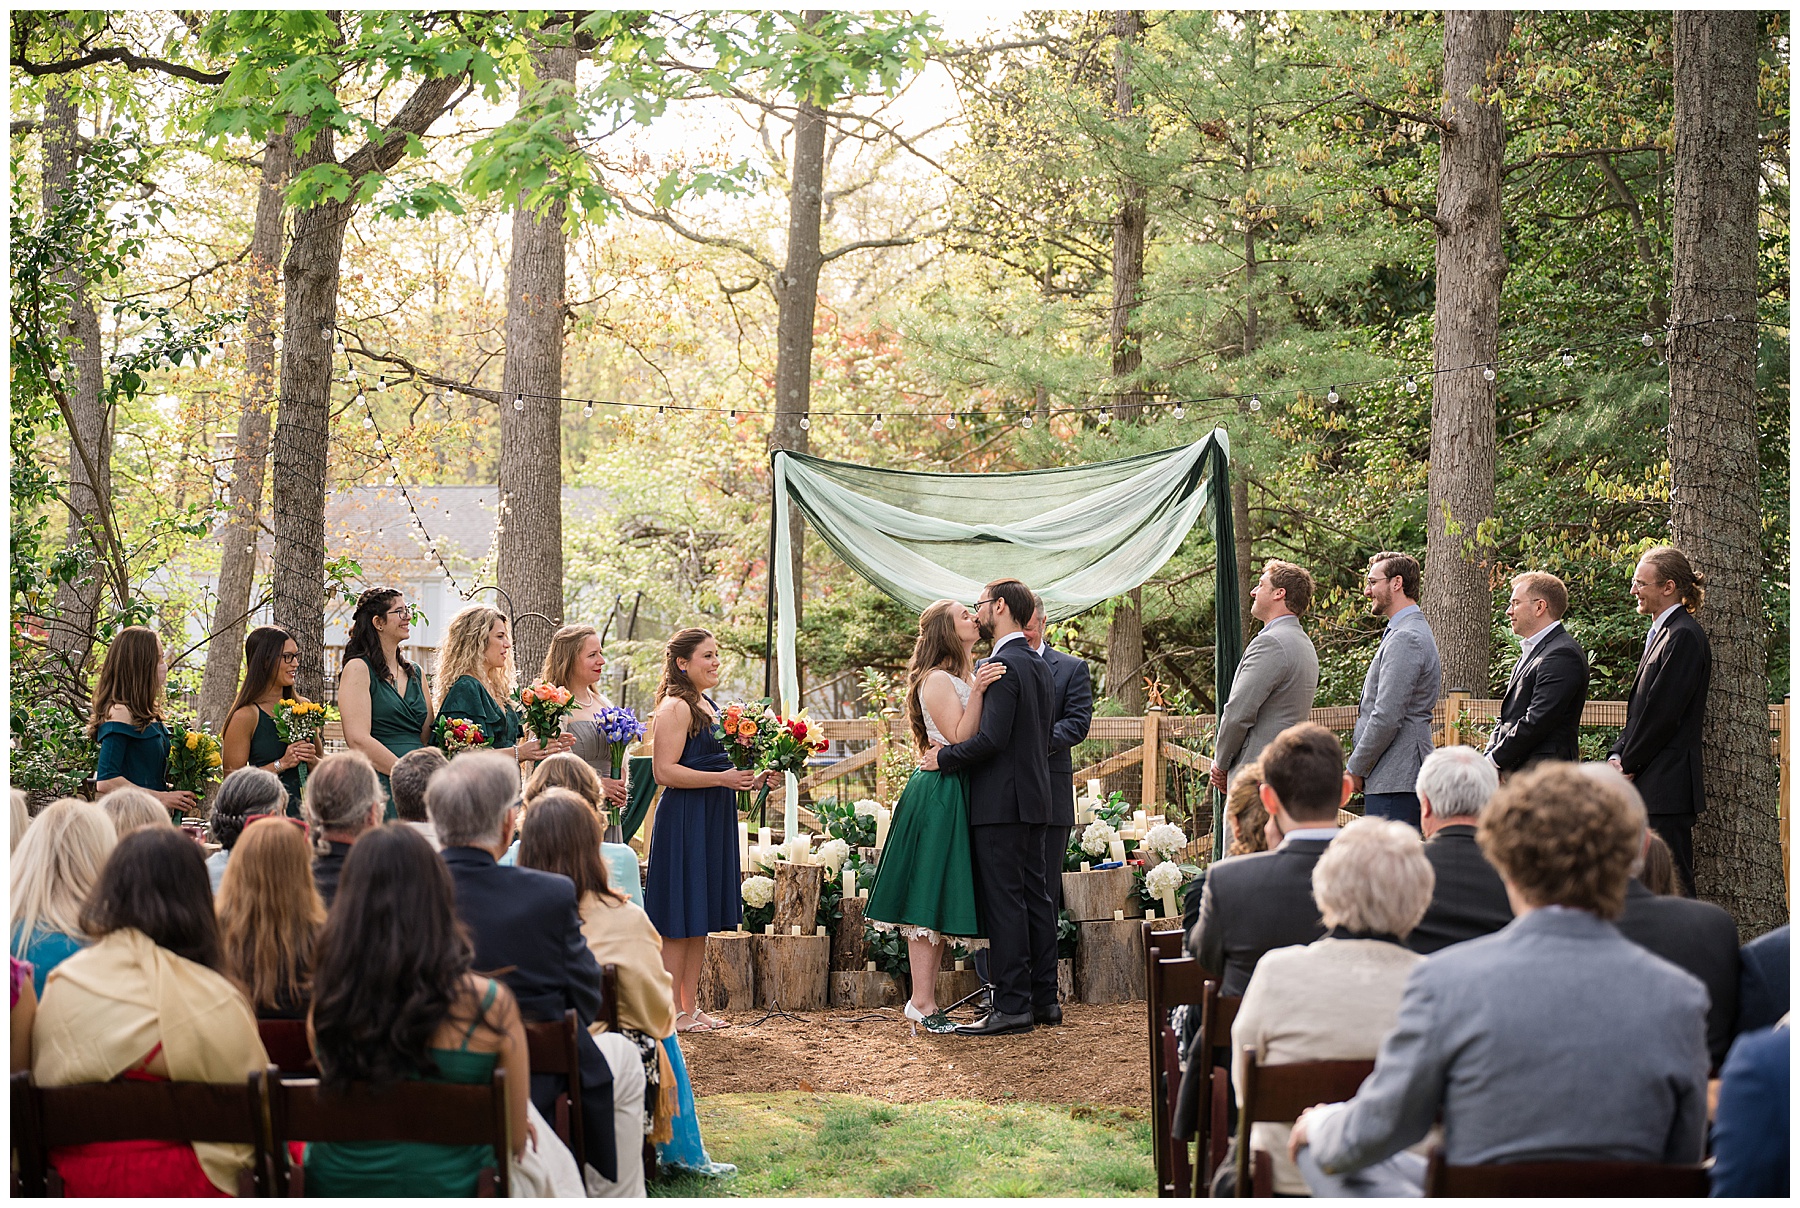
1010, 805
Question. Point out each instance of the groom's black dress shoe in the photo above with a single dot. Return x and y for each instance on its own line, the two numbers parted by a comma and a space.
995, 1023
1050, 1016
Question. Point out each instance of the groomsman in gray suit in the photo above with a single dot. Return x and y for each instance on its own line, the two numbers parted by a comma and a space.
1278, 676
1405, 679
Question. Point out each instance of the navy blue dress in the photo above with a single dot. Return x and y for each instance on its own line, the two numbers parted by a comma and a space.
693, 884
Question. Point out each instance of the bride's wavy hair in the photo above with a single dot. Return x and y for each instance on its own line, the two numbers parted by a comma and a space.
937, 646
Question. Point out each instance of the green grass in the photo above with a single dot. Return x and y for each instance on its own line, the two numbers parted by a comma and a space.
802, 1144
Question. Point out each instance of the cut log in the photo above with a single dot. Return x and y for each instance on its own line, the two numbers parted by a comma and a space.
792, 971
954, 987
797, 888
1091, 897
860, 988
727, 973
1109, 962
1065, 980
848, 951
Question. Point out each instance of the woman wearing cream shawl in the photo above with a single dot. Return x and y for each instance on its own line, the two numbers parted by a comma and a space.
143, 996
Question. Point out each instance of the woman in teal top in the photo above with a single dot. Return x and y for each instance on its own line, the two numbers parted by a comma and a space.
271, 657
475, 677
127, 720
400, 1004
381, 696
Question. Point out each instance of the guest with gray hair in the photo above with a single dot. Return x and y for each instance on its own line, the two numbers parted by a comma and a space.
247, 793
412, 773
343, 799
526, 924
1335, 998
1454, 784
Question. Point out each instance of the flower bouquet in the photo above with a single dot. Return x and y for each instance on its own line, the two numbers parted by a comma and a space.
744, 738
300, 720
194, 756
544, 705
455, 734
620, 727
789, 745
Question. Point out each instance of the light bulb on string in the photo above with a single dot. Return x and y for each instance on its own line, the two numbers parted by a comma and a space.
805, 423
661, 410
734, 414
877, 425
1255, 403
1331, 396
338, 347
1180, 412
1105, 416
519, 403
1568, 358
1487, 371
350, 374
1028, 420
381, 384
1412, 384
1648, 339
950, 421
588, 411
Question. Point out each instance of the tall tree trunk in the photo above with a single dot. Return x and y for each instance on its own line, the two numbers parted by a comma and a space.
1248, 572
1715, 510
1128, 233
1125, 653
1471, 268
302, 422
237, 539
530, 517
70, 627
797, 296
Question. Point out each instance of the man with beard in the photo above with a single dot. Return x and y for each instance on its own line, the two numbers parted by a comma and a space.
1393, 720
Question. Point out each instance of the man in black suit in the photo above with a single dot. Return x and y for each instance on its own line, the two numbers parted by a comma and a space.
1540, 716
1659, 748
527, 932
1010, 807
1467, 898
1072, 707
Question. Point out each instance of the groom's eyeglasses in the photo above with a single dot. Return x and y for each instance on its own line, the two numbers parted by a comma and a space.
988, 600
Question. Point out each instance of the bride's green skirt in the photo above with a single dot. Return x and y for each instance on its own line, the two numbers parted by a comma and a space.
926, 876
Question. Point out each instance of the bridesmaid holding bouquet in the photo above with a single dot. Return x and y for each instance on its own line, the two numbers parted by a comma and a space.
574, 661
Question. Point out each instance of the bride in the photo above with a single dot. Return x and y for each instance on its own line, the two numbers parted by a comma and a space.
924, 885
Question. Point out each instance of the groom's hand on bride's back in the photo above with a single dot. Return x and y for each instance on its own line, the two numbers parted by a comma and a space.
928, 761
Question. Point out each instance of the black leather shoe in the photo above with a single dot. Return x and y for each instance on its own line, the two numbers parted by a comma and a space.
1050, 1016
995, 1023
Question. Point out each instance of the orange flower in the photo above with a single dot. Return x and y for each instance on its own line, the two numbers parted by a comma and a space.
746, 727
526, 698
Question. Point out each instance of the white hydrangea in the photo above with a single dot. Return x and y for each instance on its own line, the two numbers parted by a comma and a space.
762, 857
1163, 880
832, 853
867, 807
1098, 838
758, 891
1165, 840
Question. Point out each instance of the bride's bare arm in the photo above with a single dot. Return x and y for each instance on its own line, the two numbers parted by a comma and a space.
938, 695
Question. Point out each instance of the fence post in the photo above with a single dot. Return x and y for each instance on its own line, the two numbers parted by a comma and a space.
1453, 710
1153, 765
885, 727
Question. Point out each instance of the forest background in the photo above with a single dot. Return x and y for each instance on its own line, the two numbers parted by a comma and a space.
1055, 238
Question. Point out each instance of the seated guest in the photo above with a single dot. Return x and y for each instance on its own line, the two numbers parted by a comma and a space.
146, 1003
527, 926
1659, 875
247, 793
394, 999
24, 1011
343, 800
131, 808
567, 770
1762, 987
1468, 899
1554, 1039
1697, 936
412, 772
562, 835
1750, 1132
57, 865
1335, 998
1256, 902
270, 913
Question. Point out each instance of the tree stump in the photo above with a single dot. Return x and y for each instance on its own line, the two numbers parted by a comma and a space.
848, 951
953, 986
797, 888
1092, 897
1065, 980
792, 971
1109, 962
860, 988
727, 973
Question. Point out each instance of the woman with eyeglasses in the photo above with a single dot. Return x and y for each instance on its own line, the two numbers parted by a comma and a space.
271, 657
381, 695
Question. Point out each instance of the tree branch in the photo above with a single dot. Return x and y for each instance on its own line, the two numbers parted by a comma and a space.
1402, 115
1587, 153
675, 224
864, 244
127, 60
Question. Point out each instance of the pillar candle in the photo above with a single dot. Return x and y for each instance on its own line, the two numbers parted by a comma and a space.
1118, 916
743, 843
1086, 867
764, 835
849, 881
769, 929
959, 966
882, 820
870, 966
791, 814
1118, 850
794, 930
821, 930
1168, 901
1150, 913
863, 893
1094, 789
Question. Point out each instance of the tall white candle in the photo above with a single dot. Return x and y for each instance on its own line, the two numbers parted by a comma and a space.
790, 816
743, 843
849, 881
1118, 850
1094, 789
883, 818
764, 835
1168, 901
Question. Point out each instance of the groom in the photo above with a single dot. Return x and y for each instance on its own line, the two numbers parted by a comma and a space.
1010, 807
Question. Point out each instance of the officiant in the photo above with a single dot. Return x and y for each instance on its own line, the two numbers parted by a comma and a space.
1072, 708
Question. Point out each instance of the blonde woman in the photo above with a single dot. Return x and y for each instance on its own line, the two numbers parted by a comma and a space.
574, 662
475, 678
55, 866
132, 808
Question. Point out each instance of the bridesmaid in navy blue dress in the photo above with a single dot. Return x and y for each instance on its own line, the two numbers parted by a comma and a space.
692, 886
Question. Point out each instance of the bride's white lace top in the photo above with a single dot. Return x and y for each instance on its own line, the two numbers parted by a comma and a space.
962, 694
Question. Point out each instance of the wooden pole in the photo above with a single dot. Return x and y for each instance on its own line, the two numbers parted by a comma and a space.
1153, 760
1454, 706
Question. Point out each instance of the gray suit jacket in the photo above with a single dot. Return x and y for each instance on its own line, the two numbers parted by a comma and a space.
1554, 1039
1273, 689
1393, 720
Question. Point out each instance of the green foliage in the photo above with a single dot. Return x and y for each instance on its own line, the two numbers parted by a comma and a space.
841, 821
887, 949
53, 752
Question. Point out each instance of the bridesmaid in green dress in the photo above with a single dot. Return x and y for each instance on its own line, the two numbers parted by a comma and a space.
475, 683
381, 695
127, 723
271, 657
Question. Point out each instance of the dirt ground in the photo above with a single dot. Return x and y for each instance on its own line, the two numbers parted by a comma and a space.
1098, 1056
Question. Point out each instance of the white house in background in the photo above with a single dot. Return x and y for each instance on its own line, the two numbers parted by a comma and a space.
373, 525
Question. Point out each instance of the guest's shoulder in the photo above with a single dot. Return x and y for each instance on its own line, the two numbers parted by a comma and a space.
536, 880
1234, 870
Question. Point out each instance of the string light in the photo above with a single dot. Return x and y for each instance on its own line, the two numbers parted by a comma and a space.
1648, 339
587, 412
519, 403
1255, 403
1568, 358
1331, 396
805, 423
950, 421
1180, 412
1487, 371
1106, 417
1027, 421
878, 424
1412, 384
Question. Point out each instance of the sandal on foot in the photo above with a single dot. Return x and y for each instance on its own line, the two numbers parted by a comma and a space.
706, 1023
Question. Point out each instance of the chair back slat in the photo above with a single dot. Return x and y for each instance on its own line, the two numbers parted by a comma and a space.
554, 1048
1631, 1180
1277, 1094
1172, 981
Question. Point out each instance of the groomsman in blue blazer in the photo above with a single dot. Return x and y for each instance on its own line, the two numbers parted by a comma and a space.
1405, 679
1072, 708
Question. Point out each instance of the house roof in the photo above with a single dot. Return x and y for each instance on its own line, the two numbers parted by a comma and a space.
373, 523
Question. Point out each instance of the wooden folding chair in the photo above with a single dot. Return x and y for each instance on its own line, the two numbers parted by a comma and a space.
432, 1113
1214, 1130
285, 1042
1158, 945
1171, 983
1277, 1094
553, 1049
1631, 1180
50, 1117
